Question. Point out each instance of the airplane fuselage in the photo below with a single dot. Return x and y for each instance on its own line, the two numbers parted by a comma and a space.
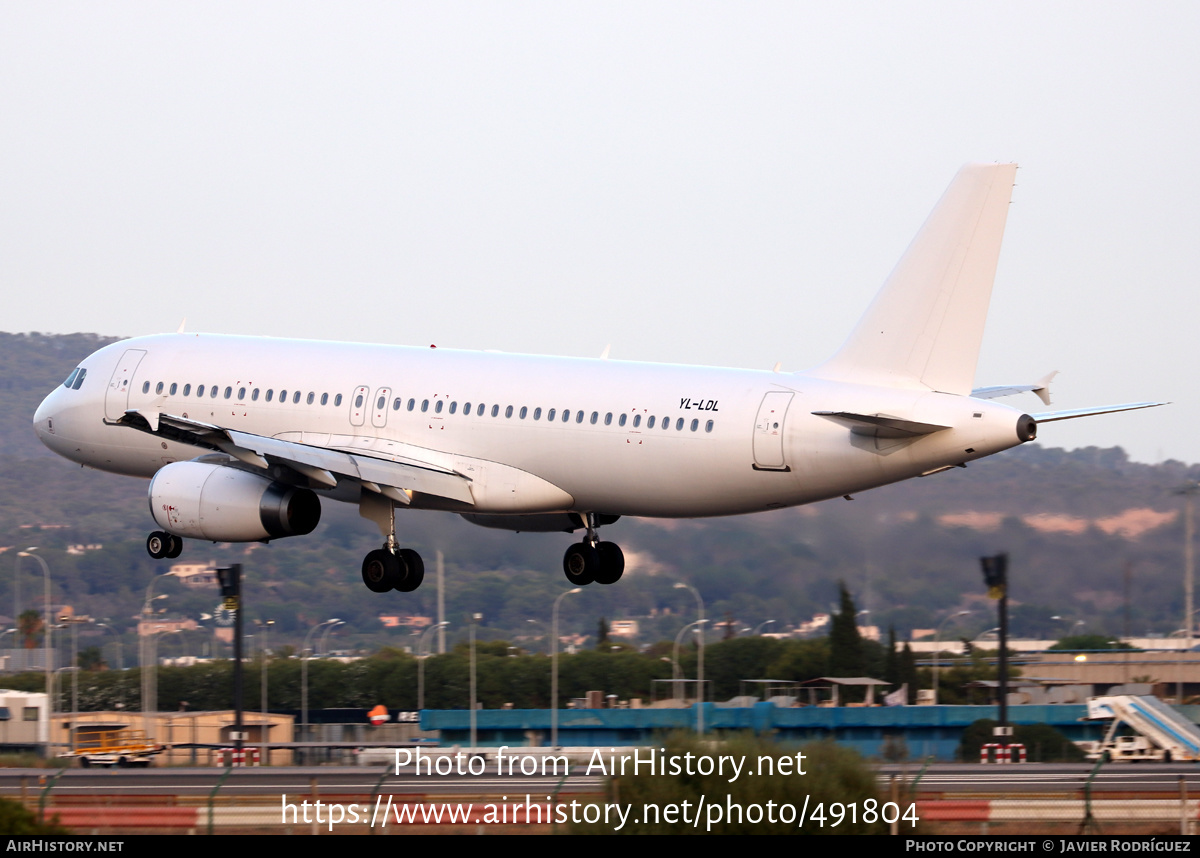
542, 434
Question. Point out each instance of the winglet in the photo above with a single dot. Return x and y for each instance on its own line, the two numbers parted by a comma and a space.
182, 325
924, 328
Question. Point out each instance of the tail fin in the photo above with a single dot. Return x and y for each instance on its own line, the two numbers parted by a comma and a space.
924, 328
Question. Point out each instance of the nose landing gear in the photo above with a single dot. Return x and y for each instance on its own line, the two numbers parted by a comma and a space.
160, 544
593, 560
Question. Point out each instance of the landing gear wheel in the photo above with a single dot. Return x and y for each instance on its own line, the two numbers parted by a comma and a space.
158, 544
612, 563
414, 570
381, 570
174, 547
580, 564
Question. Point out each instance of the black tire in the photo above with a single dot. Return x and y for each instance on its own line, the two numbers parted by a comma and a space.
612, 563
413, 570
175, 546
1166, 756
157, 543
84, 762
380, 571
580, 564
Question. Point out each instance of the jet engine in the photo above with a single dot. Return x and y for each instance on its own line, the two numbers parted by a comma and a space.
223, 504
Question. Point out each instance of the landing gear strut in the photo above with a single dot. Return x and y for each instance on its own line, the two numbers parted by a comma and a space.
390, 567
160, 544
593, 560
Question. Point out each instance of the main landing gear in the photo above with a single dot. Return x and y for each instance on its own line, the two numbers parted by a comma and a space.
392, 568
593, 560
160, 544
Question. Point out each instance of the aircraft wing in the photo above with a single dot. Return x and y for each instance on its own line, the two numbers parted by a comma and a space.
392, 477
1051, 416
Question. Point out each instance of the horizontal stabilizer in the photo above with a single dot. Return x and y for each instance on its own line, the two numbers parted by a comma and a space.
1041, 388
1051, 416
881, 426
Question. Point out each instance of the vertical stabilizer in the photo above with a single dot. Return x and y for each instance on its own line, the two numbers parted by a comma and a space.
925, 326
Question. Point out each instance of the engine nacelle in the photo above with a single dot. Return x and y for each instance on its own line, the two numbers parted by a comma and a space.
224, 504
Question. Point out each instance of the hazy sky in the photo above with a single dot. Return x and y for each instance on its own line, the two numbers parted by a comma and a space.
715, 183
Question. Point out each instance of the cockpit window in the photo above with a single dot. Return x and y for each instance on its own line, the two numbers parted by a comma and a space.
75, 378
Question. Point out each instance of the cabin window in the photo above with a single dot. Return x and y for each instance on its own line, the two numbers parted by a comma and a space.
337, 400
71, 380
437, 408
412, 403
212, 393
311, 398
650, 422
187, 389
508, 411
695, 425
358, 401
228, 391
395, 405
324, 398
199, 390
254, 395
679, 425
296, 397
270, 393
595, 417
578, 416
453, 407
424, 405
637, 420
241, 393
158, 387
550, 415
495, 410
608, 418
537, 414
479, 410
708, 426
523, 412
174, 387
379, 403
621, 420
467, 410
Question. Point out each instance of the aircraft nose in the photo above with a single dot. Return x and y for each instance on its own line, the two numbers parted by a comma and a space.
44, 419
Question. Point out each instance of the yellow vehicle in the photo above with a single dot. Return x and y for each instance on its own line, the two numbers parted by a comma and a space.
124, 748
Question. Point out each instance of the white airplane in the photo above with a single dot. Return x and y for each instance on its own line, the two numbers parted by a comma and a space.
243, 436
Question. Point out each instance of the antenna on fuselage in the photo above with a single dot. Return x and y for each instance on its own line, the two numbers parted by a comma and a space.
182, 325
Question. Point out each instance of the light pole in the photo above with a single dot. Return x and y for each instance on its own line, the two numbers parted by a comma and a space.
937, 649
758, 629
475, 618
49, 639
675, 660
1188, 493
700, 657
554, 667
265, 626
304, 655
422, 654
324, 647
